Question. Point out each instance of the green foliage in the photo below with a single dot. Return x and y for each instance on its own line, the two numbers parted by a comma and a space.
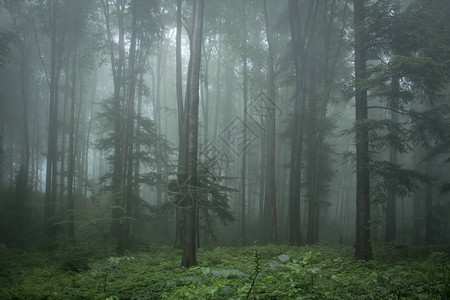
154, 147
383, 134
392, 178
270, 272
74, 260
212, 195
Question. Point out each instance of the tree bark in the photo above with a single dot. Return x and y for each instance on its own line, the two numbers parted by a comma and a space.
117, 66
55, 69
244, 152
130, 116
313, 205
71, 169
429, 230
295, 236
271, 178
391, 209
181, 176
189, 250
363, 248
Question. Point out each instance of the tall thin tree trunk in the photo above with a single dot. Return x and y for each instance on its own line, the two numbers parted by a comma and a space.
55, 70
429, 228
130, 126
71, 170
363, 248
182, 133
295, 236
62, 174
271, 184
218, 88
311, 233
243, 184
391, 209
117, 66
189, 249
157, 113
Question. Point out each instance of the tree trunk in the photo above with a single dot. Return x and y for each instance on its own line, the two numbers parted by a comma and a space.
51, 184
117, 66
244, 152
157, 114
189, 249
71, 169
429, 230
271, 178
130, 127
219, 88
62, 174
363, 247
313, 205
391, 209
182, 133
295, 236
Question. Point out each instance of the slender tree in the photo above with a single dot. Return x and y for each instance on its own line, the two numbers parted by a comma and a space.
295, 236
181, 127
363, 247
244, 152
189, 248
271, 177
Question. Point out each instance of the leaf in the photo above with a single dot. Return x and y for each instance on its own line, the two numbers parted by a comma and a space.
206, 270
284, 257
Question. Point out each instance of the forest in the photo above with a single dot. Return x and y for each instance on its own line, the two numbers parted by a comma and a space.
240, 149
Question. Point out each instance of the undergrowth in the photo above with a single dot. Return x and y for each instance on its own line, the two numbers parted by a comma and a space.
269, 272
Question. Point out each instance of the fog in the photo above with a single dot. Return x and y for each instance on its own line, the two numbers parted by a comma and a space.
200, 124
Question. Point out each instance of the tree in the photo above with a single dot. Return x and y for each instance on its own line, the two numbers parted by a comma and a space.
182, 134
300, 43
189, 258
57, 36
295, 236
244, 152
271, 177
363, 248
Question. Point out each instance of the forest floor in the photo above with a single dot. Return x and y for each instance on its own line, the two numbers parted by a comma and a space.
254, 272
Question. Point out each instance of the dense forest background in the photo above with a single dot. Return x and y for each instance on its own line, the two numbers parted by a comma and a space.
206, 123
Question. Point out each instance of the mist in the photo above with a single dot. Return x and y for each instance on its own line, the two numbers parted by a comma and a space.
132, 126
